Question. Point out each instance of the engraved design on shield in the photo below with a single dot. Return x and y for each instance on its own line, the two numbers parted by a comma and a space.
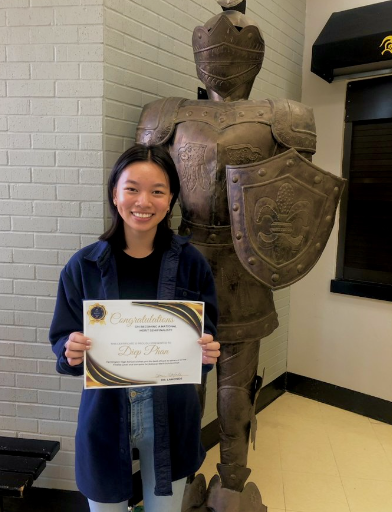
283, 224
282, 218
193, 171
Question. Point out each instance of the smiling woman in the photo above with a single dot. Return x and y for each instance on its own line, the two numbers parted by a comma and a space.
138, 257
142, 190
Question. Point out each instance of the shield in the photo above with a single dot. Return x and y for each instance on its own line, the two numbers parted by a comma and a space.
282, 212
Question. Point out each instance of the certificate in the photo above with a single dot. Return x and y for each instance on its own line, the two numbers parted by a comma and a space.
142, 343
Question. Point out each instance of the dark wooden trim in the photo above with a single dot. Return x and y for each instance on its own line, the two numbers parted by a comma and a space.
47, 500
269, 393
344, 398
362, 289
348, 130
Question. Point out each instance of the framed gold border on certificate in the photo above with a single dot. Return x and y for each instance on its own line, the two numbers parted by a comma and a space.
142, 343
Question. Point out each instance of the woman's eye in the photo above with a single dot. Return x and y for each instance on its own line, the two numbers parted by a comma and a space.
157, 192
130, 189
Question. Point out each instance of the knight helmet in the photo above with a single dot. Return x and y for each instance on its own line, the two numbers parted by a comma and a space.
229, 52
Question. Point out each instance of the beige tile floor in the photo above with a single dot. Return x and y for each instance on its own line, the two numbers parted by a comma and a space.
311, 457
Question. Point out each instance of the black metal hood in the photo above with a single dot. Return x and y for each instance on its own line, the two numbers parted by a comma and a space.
356, 42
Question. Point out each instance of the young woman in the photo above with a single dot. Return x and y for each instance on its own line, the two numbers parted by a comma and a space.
139, 257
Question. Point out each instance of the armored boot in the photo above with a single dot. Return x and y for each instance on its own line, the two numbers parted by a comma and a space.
222, 499
195, 495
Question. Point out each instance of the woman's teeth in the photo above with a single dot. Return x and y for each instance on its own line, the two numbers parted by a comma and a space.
142, 215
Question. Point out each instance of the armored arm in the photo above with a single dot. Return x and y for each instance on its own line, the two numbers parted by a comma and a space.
293, 126
157, 121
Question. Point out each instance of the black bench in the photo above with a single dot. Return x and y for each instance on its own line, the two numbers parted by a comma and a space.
21, 462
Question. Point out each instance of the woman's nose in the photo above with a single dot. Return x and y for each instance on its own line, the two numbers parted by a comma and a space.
142, 199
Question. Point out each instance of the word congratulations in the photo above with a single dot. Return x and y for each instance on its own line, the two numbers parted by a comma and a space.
117, 318
149, 350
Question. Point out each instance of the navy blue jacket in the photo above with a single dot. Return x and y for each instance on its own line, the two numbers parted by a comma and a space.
103, 457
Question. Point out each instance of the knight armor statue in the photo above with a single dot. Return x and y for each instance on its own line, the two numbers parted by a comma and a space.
256, 207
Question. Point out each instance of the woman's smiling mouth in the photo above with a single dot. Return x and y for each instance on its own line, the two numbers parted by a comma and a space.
142, 215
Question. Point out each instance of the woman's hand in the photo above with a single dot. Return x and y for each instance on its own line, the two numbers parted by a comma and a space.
210, 349
75, 348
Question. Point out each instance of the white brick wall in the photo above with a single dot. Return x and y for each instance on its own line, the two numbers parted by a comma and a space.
51, 181
74, 76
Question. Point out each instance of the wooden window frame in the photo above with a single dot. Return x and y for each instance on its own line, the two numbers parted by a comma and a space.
365, 101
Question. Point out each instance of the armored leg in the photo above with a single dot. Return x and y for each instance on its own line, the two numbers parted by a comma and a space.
237, 389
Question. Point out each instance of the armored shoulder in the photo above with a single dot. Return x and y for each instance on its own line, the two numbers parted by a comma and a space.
157, 121
293, 125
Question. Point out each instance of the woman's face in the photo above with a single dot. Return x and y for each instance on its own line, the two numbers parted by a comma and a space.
143, 196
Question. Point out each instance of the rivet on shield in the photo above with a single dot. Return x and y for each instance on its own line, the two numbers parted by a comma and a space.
187, 231
235, 179
236, 207
317, 180
266, 326
260, 113
252, 260
300, 269
318, 246
189, 113
336, 191
212, 237
238, 235
290, 162
205, 113
328, 219
241, 114
261, 172
240, 332
222, 119
275, 278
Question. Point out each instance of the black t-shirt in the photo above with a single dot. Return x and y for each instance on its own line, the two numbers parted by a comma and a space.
138, 277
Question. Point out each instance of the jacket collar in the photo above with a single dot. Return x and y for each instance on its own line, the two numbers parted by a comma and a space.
102, 250
100, 253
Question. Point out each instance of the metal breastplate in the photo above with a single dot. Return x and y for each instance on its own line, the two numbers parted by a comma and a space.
209, 137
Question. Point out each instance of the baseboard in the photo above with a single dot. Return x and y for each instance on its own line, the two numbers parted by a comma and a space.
269, 393
344, 398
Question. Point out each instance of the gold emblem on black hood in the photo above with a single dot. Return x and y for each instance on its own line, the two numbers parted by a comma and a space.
387, 43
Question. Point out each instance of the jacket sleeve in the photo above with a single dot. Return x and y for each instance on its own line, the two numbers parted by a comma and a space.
67, 318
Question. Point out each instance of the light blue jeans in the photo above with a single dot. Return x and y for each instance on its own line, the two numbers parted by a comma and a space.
141, 427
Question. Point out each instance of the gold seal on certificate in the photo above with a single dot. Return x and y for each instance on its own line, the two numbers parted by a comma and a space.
142, 343
96, 312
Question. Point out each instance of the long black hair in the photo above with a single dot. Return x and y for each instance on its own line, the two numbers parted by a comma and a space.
139, 153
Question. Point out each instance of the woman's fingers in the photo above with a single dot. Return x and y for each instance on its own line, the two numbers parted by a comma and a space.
75, 347
210, 349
